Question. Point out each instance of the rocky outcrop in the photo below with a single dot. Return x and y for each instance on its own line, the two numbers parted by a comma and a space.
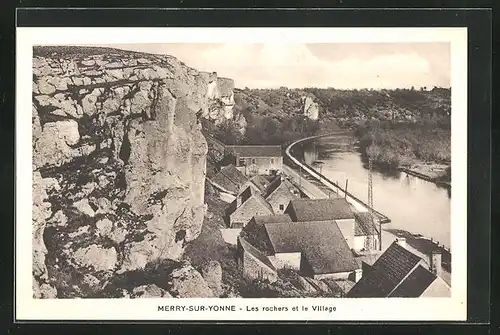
150, 291
186, 282
212, 273
220, 93
310, 108
118, 164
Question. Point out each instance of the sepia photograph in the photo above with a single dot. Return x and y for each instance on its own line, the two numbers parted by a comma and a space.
243, 170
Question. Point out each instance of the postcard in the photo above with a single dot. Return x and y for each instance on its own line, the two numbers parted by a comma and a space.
295, 174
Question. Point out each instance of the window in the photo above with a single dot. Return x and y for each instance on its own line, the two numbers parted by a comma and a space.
253, 160
241, 162
272, 160
282, 207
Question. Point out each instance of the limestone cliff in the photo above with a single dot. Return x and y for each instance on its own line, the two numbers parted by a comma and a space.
220, 94
118, 164
310, 108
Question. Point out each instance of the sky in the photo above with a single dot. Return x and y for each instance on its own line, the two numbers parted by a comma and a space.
337, 65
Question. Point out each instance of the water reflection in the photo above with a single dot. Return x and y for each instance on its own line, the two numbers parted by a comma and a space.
411, 203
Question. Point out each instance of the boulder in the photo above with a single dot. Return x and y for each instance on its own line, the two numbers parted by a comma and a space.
84, 207
52, 147
186, 282
104, 227
150, 291
101, 259
212, 273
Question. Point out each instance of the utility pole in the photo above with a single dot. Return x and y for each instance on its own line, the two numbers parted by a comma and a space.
370, 199
370, 205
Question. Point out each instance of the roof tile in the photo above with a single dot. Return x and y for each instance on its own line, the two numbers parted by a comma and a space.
321, 209
415, 284
386, 273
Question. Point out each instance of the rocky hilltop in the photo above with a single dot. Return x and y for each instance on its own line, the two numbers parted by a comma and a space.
119, 166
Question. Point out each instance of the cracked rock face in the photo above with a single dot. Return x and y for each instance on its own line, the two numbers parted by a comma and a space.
118, 165
311, 109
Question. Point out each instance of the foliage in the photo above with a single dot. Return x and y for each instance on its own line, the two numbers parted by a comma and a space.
392, 145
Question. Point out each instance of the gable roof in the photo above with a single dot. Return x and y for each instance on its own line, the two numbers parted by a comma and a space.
321, 243
277, 183
415, 284
363, 225
255, 150
263, 201
321, 209
386, 273
263, 219
255, 252
245, 195
230, 178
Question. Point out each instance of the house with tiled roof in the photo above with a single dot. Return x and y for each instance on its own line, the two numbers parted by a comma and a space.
316, 249
255, 233
336, 209
400, 273
256, 159
247, 204
229, 178
280, 192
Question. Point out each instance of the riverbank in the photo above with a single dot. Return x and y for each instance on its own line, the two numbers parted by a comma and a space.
420, 244
428, 173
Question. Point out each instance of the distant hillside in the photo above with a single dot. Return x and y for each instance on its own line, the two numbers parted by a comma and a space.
400, 127
348, 107
401, 105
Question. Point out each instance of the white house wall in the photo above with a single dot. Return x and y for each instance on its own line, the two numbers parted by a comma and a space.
347, 228
437, 289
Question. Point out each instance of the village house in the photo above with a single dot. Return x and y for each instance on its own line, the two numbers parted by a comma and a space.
315, 249
229, 179
256, 159
246, 205
254, 264
333, 210
280, 192
358, 230
255, 233
400, 273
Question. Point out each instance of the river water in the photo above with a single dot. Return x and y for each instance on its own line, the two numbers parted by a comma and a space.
412, 204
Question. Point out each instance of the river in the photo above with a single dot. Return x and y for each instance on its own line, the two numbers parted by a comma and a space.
412, 204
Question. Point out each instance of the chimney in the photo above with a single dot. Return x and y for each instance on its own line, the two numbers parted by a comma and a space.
358, 273
401, 241
282, 176
435, 262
